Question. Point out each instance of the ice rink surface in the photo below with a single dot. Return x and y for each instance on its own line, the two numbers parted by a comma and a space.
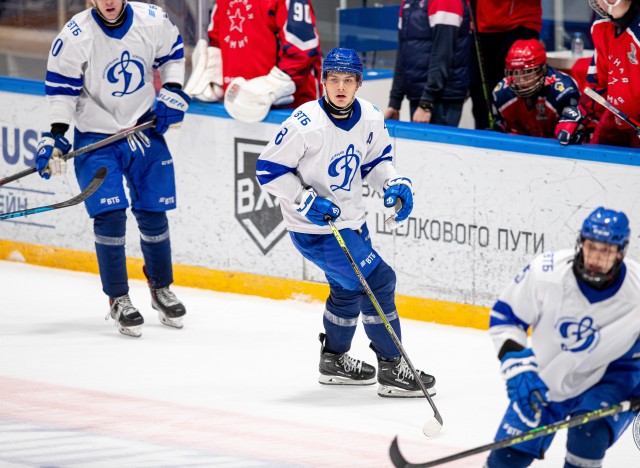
236, 387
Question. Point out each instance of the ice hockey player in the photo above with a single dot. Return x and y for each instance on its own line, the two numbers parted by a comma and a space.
613, 73
262, 53
583, 307
532, 96
316, 165
99, 78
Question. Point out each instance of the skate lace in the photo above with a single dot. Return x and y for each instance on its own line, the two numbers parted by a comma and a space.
166, 297
404, 371
350, 364
122, 306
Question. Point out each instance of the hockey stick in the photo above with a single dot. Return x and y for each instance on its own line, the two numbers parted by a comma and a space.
628, 405
434, 425
614, 110
483, 80
95, 183
86, 149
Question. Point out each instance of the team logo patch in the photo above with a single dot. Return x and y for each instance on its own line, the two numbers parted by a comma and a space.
632, 55
240, 14
578, 335
258, 212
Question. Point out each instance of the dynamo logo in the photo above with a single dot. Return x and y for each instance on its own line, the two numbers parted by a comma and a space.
345, 166
578, 335
126, 72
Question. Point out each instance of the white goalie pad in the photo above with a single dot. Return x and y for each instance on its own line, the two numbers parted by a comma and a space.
205, 82
250, 101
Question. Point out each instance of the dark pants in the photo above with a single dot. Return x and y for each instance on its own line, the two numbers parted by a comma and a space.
443, 113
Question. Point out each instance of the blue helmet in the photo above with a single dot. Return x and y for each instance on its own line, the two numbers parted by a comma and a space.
342, 60
608, 226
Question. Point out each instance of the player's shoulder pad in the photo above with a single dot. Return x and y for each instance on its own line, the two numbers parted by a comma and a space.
552, 264
560, 84
147, 13
78, 28
369, 110
502, 93
307, 116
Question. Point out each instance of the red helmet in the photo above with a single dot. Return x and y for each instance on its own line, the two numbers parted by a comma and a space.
526, 67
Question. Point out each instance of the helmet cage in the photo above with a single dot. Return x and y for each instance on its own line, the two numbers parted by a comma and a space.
609, 227
595, 6
526, 82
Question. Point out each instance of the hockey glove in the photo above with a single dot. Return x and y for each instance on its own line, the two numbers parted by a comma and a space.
398, 189
205, 82
569, 129
49, 161
171, 105
250, 101
525, 388
315, 208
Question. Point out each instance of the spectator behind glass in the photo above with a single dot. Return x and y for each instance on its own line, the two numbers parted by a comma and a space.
431, 65
260, 53
613, 73
532, 96
498, 24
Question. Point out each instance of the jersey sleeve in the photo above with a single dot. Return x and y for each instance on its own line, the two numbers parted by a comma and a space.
65, 77
169, 60
298, 39
277, 166
378, 166
516, 308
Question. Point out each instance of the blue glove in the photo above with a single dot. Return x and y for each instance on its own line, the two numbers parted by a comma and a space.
394, 189
315, 208
171, 105
524, 387
48, 158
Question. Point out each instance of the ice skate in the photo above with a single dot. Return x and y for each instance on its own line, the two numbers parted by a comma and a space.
342, 369
170, 309
127, 318
397, 381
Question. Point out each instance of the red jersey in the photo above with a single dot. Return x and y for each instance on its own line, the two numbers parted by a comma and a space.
493, 16
256, 35
615, 67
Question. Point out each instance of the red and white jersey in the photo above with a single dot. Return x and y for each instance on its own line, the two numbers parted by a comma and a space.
615, 67
256, 35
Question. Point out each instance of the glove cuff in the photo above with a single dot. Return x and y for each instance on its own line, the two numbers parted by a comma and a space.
279, 75
515, 363
306, 201
399, 180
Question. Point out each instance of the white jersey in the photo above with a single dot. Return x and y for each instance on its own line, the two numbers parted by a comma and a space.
101, 78
334, 157
575, 334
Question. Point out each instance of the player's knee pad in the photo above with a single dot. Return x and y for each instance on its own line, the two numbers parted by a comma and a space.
111, 224
382, 282
344, 303
508, 458
152, 224
587, 444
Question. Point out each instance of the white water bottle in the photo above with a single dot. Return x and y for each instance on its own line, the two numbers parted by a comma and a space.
577, 45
